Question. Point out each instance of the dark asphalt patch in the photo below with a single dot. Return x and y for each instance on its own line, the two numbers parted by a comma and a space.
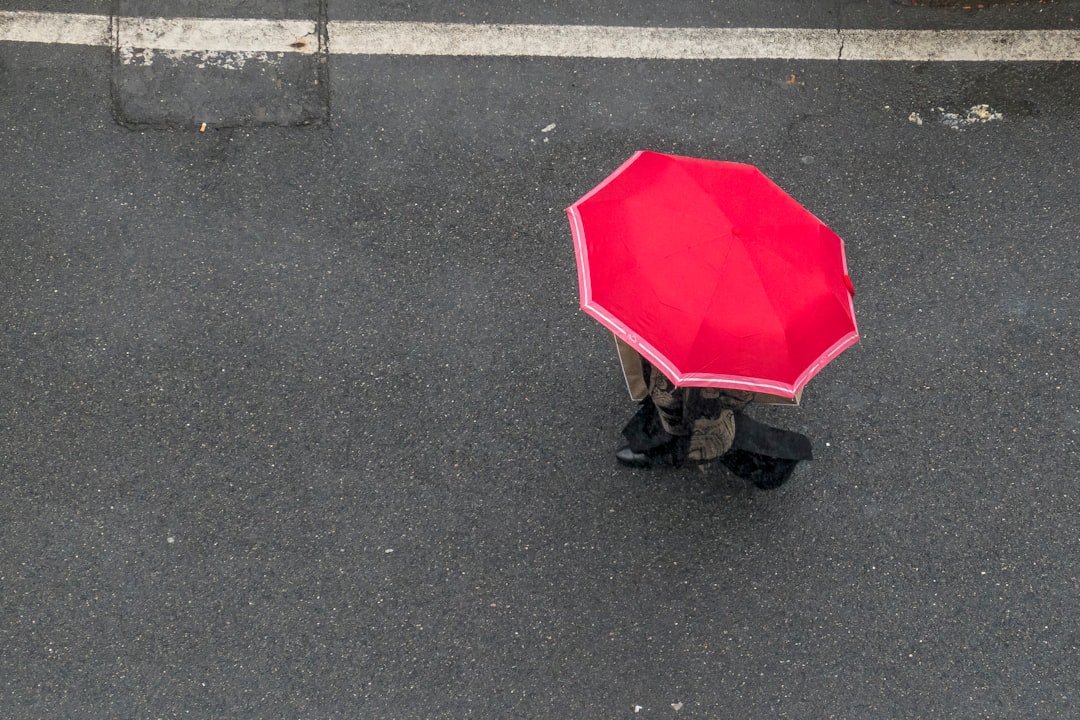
159, 89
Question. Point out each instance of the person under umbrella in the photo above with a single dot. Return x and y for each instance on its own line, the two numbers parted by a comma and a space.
721, 290
676, 426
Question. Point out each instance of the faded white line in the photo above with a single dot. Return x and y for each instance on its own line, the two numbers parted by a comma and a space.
205, 35
962, 45
216, 35
54, 28
588, 41
592, 41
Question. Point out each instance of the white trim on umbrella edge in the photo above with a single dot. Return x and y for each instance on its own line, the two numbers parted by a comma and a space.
598, 313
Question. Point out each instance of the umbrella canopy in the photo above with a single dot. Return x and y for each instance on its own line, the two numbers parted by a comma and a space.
713, 273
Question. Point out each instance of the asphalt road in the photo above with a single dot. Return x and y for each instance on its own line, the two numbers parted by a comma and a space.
305, 422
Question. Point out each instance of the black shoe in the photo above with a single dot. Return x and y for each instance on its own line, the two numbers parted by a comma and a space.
628, 457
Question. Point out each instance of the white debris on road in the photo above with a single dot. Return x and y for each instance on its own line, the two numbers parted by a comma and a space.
975, 115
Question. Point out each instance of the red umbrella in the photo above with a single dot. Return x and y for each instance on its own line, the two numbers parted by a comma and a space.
713, 273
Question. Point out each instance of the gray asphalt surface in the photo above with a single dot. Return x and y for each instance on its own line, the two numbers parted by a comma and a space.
304, 422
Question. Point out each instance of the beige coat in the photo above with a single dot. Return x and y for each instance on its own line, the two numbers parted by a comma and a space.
634, 374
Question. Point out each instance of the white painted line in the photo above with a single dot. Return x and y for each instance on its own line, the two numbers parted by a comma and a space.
594, 41
199, 35
54, 28
216, 35
962, 45
589, 41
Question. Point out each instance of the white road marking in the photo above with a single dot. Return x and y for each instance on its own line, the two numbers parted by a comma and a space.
214, 35
200, 35
54, 28
962, 45
588, 41
591, 41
